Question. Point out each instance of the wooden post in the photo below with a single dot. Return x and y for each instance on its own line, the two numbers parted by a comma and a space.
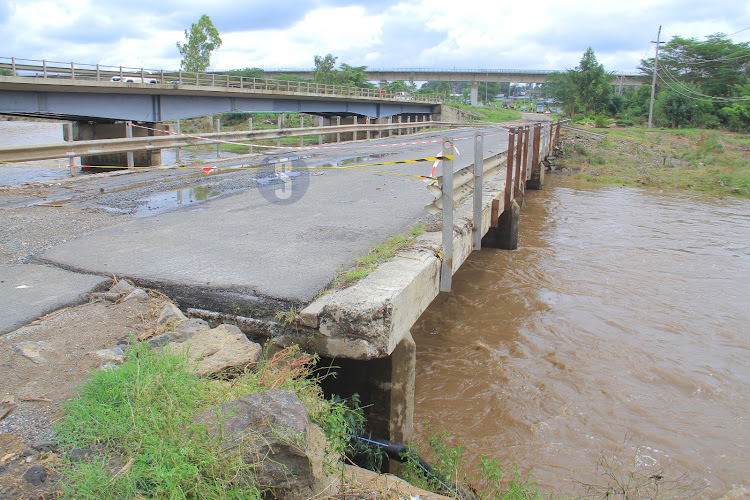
509, 169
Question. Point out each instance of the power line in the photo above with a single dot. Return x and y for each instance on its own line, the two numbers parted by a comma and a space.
693, 91
740, 31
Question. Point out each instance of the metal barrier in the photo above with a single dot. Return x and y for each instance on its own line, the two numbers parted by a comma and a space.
32, 152
521, 160
121, 75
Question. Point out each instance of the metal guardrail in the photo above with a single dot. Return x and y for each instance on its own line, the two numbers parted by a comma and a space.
34, 152
121, 75
418, 71
521, 159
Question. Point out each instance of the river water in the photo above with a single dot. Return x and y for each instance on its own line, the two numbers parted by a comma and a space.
619, 330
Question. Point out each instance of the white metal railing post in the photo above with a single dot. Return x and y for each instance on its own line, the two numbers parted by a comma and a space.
338, 123
180, 77
13, 65
478, 179
218, 144
129, 135
68, 136
446, 267
320, 124
250, 124
179, 149
98, 75
356, 122
44, 66
120, 73
280, 125
367, 122
72, 71
143, 76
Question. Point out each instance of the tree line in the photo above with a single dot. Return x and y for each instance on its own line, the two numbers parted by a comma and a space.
699, 84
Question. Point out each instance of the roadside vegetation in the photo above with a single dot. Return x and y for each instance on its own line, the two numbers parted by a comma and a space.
135, 421
490, 114
381, 253
708, 161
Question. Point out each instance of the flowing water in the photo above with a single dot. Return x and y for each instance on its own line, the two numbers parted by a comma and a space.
619, 330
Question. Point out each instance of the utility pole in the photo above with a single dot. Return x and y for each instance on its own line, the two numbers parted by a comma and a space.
653, 83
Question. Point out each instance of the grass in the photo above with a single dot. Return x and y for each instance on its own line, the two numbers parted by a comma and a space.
381, 253
709, 161
490, 113
137, 419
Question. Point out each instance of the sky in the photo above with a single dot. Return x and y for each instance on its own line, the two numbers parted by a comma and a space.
468, 34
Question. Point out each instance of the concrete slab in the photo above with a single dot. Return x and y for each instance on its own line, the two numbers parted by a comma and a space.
244, 255
28, 291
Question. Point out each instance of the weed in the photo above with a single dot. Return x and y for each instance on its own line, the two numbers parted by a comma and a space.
627, 474
381, 253
581, 149
448, 474
287, 317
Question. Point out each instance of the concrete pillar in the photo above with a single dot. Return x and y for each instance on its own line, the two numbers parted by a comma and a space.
505, 235
386, 389
474, 86
82, 131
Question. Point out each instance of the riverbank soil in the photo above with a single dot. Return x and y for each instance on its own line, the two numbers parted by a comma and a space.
709, 161
42, 365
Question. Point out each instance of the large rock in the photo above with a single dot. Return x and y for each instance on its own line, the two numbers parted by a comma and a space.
277, 437
219, 349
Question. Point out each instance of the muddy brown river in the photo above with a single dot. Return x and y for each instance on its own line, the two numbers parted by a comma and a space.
619, 330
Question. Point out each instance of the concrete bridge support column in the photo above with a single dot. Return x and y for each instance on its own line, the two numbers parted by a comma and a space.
474, 86
81, 131
385, 386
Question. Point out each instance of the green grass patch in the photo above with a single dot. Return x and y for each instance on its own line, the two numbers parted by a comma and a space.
710, 161
137, 419
490, 114
381, 253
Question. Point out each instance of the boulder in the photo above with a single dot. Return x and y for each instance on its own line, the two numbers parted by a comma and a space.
276, 436
184, 330
138, 294
113, 355
122, 287
170, 312
219, 349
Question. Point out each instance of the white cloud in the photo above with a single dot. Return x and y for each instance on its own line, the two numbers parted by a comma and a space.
544, 34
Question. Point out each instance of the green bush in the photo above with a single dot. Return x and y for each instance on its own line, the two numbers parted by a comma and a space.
601, 121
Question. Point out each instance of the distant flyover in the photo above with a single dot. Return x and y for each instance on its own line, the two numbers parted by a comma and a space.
458, 75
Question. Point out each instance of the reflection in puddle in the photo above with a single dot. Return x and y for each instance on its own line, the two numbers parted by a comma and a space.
161, 202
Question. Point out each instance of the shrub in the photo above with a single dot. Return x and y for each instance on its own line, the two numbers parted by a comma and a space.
601, 121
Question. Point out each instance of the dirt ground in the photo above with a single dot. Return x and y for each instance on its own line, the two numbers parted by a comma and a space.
34, 387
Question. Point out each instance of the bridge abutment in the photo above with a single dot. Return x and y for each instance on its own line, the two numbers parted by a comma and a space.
82, 131
505, 235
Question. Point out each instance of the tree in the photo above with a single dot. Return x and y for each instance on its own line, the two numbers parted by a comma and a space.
588, 86
675, 107
444, 89
352, 76
324, 72
397, 86
202, 39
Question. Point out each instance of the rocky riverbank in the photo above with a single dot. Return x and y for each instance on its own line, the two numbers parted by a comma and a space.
44, 364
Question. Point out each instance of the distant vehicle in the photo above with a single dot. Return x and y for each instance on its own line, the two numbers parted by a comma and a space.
540, 107
133, 79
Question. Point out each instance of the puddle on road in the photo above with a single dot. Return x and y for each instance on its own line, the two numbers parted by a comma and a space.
163, 201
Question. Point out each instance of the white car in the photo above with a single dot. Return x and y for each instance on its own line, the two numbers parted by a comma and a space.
133, 79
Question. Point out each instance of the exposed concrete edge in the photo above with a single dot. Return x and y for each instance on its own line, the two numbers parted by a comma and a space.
371, 317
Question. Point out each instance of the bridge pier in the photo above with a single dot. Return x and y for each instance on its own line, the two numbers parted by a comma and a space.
82, 131
474, 86
385, 386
